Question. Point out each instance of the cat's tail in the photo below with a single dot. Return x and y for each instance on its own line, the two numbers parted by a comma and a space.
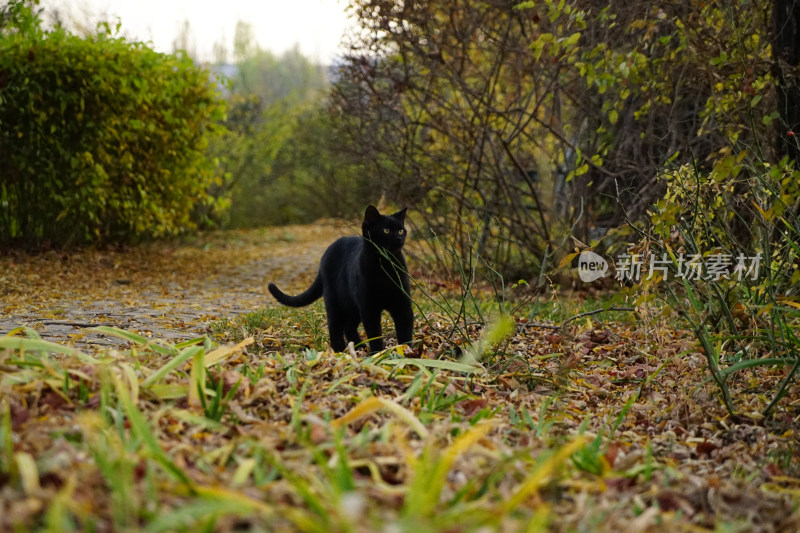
314, 292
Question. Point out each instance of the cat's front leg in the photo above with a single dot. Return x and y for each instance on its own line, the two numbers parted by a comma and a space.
403, 317
372, 327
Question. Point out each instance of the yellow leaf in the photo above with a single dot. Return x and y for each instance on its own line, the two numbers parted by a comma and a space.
567, 259
171, 391
456, 450
243, 472
791, 303
372, 404
224, 351
197, 379
28, 473
541, 474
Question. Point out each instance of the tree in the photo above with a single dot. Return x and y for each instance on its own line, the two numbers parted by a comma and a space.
279, 152
528, 121
220, 52
185, 42
243, 41
786, 51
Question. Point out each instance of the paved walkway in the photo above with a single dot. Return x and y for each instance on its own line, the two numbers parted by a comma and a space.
164, 290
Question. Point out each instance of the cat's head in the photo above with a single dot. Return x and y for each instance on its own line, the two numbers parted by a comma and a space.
386, 231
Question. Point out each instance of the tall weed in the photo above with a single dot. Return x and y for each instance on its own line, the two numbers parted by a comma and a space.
727, 244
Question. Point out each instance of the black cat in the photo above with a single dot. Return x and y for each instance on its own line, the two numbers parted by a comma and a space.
359, 277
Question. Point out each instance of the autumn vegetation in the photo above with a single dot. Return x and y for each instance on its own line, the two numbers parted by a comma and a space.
520, 134
102, 139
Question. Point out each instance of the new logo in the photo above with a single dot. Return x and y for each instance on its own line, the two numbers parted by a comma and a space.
591, 266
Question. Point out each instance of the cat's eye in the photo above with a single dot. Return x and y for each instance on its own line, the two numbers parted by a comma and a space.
401, 231
387, 231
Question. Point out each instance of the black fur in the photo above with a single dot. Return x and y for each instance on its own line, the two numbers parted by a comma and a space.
359, 277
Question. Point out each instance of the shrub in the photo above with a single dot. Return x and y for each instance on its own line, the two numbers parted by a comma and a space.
101, 139
308, 177
731, 240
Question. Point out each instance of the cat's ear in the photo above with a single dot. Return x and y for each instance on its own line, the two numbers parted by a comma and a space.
371, 215
400, 215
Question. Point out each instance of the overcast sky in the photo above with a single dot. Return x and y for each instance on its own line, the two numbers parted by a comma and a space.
316, 25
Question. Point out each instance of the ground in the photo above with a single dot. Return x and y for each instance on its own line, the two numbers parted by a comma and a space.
210, 408
170, 291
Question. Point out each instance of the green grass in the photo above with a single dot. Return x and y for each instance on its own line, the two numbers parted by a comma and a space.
276, 433
296, 328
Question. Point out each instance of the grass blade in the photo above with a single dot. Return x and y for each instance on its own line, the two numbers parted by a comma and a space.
21, 344
142, 429
373, 404
223, 352
136, 339
541, 474
435, 363
182, 357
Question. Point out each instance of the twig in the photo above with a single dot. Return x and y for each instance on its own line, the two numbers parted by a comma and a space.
65, 323
542, 326
576, 317
596, 311
534, 194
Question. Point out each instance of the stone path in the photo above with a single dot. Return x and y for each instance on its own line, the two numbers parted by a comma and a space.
164, 290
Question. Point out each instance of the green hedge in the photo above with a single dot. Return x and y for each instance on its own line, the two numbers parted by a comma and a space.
100, 139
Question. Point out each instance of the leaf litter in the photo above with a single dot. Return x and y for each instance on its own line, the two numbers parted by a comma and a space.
157, 388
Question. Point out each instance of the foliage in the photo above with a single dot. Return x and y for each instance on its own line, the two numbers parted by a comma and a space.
267, 435
531, 121
442, 97
286, 167
510, 125
586, 427
281, 151
515, 125
274, 79
100, 139
742, 215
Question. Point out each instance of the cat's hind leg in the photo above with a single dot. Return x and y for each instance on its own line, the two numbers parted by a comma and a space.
336, 332
336, 326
